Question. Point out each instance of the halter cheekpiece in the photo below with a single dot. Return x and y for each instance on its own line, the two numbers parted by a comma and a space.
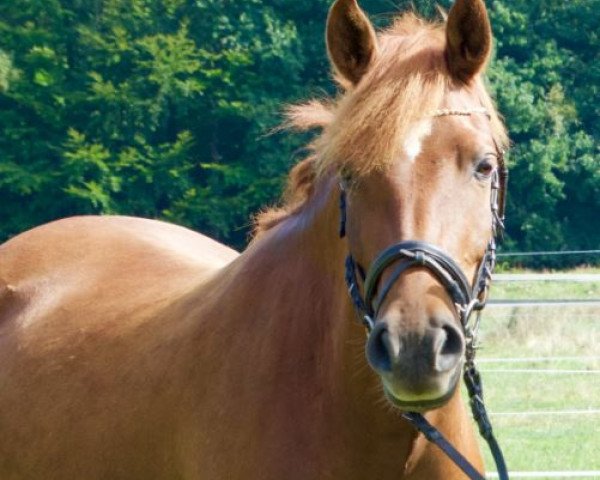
469, 300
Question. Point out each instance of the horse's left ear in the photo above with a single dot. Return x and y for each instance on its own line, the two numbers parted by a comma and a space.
469, 39
351, 40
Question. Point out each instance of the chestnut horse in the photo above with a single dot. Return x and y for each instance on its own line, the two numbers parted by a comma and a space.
135, 349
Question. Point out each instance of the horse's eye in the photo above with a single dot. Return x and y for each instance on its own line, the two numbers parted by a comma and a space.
484, 169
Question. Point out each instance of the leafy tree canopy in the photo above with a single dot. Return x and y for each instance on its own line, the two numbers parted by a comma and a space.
161, 108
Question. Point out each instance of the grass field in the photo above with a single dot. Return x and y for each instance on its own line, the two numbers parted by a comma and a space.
546, 290
544, 441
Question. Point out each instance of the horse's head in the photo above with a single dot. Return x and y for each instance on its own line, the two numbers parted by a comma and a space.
416, 141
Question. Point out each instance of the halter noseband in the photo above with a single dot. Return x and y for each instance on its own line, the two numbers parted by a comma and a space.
467, 299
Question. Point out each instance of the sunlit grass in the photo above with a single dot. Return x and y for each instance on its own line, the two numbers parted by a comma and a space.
553, 443
543, 442
545, 290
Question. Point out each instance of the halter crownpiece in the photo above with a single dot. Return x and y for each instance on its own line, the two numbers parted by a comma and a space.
446, 112
467, 299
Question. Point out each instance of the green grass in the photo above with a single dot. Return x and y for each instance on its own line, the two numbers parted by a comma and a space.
543, 442
548, 444
545, 290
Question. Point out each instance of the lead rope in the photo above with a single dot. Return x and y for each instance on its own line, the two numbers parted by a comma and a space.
471, 375
434, 436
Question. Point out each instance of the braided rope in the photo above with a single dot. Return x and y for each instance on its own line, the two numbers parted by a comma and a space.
446, 112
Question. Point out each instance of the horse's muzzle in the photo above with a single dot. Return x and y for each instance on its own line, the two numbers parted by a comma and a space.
419, 371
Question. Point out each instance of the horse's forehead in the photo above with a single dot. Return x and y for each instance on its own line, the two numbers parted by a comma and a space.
413, 143
437, 146
465, 99
454, 142
466, 127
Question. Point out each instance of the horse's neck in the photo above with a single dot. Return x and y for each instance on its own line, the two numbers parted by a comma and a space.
290, 282
285, 322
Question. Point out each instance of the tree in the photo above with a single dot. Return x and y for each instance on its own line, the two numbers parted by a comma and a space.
163, 108
150, 108
542, 83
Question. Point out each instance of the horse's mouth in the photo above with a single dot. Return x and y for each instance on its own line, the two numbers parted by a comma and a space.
425, 404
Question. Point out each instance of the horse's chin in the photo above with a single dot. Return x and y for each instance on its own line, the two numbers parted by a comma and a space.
423, 403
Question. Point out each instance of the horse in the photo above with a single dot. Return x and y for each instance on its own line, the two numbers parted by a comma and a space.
136, 349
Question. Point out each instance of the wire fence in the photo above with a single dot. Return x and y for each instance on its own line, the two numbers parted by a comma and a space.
551, 253
591, 474
539, 359
543, 370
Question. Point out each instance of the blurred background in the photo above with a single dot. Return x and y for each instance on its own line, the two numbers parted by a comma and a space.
163, 108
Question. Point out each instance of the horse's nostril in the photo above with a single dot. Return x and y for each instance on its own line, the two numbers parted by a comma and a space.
453, 343
450, 348
379, 349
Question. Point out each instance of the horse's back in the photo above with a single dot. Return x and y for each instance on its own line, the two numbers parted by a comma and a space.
116, 251
86, 333
79, 240
121, 260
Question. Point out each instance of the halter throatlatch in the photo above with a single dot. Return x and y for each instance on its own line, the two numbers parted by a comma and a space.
469, 301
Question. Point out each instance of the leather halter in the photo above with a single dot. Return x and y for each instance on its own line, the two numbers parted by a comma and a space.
417, 254
467, 299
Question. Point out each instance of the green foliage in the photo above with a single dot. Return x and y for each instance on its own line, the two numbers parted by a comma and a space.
7, 72
545, 78
160, 108
151, 108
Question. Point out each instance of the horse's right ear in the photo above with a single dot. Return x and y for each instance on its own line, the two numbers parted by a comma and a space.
351, 40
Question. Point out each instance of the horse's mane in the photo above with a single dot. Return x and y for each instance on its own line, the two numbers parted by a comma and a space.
364, 129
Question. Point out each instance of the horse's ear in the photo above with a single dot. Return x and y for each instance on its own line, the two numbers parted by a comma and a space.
351, 40
469, 39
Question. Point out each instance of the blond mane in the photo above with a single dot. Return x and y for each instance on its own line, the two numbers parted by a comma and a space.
364, 129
